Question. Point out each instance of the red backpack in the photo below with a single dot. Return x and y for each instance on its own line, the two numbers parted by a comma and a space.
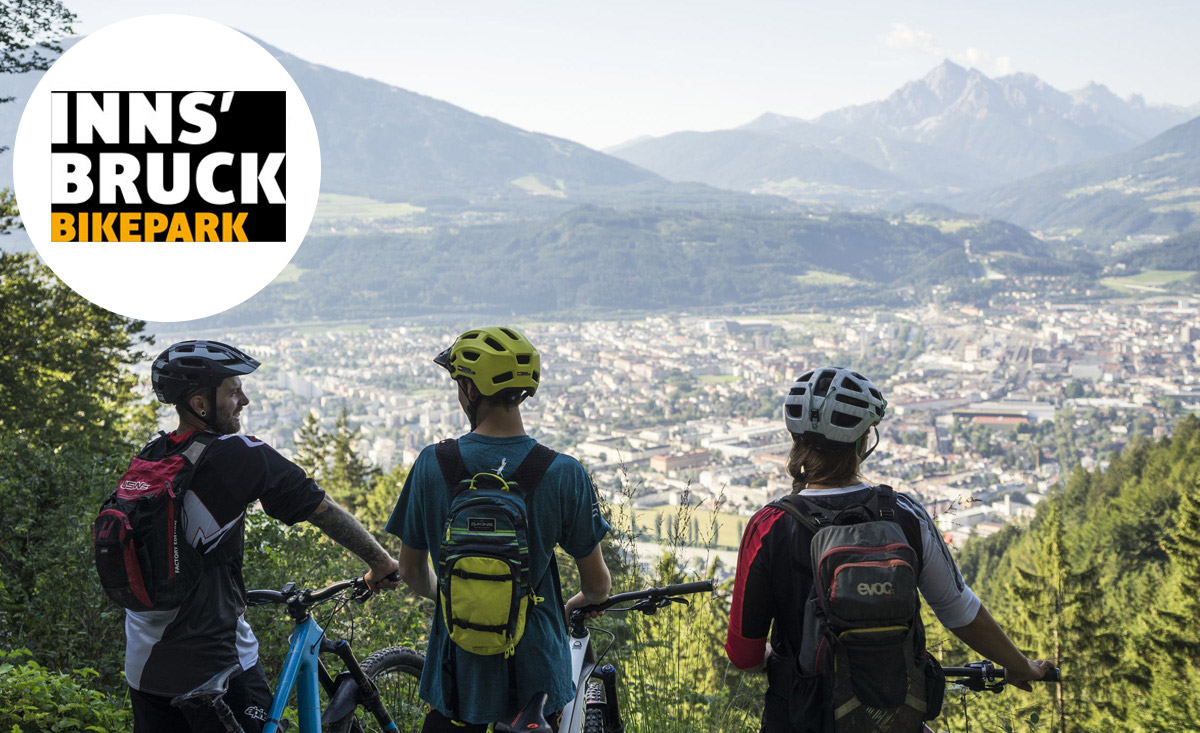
144, 560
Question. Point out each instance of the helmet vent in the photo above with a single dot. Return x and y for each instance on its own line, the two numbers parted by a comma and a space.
510, 334
471, 355
851, 400
858, 376
848, 383
537, 377
523, 358
494, 344
185, 349
796, 391
845, 420
198, 363
502, 378
804, 377
795, 411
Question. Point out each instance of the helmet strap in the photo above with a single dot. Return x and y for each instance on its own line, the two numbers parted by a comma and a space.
863, 456
472, 408
203, 416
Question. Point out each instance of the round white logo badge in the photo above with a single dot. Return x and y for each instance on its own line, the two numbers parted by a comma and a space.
166, 167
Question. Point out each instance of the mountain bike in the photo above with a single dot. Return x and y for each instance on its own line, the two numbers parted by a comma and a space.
595, 708
385, 684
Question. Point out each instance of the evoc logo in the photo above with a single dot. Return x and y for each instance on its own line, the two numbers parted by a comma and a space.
875, 589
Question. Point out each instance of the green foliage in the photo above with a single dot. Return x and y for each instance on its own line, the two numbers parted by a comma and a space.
351, 480
63, 377
1103, 580
33, 698
50, 600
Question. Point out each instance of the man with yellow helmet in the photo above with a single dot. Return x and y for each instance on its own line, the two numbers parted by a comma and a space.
496, 369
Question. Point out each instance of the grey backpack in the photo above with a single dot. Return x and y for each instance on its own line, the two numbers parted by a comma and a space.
862, 665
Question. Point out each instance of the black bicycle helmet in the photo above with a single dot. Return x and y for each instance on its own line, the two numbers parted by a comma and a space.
187, 365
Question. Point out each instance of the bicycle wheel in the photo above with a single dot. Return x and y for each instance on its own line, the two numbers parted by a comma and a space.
593, 715
396, 671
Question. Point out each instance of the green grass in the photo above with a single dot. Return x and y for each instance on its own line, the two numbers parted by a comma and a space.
728, 526
336, 206
290, 274
818, 277
719, 378
945, 226
1150, 280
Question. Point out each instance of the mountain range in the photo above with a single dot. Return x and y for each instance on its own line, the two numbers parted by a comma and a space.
719, 218
953, 130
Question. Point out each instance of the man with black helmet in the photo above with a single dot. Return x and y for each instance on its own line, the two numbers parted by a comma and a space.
495, 370
171, 652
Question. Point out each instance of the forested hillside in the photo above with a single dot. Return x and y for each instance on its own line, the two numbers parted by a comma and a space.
1104, 580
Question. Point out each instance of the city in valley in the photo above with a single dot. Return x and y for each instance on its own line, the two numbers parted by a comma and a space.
678, 417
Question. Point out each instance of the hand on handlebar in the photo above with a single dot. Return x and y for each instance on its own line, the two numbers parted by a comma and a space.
1020, 678
579, 601
383, 576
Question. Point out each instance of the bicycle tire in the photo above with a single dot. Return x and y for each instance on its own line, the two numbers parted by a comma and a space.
396, 671
593, 715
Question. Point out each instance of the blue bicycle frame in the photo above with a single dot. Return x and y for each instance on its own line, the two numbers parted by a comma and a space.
300, 668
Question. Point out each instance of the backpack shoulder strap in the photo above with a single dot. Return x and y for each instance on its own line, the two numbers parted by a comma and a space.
807, 513
449, 459
197, 445
886, 508
529, 474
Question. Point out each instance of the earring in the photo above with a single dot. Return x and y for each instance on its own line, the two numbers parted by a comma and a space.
204, 413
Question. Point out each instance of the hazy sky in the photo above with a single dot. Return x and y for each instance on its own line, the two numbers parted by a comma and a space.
605, 71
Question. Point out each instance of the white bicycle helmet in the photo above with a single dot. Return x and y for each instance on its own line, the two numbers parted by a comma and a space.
833, 407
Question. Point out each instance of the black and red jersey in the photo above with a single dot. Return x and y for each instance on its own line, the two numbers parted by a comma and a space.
172, 652
774, 576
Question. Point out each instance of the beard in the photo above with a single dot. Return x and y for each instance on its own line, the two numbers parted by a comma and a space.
226, 423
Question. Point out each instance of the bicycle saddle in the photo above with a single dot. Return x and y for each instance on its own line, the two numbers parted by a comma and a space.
531, 719
214, 688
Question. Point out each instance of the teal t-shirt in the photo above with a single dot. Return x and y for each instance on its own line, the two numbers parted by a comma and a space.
564, 511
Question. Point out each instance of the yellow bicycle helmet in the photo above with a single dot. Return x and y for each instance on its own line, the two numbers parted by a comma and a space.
494, 359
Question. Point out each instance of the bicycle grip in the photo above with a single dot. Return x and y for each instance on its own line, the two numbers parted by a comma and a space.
704, 586
1054, 675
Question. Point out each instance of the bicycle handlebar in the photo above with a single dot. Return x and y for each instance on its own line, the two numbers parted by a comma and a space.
703, 586
985, 675
304, 598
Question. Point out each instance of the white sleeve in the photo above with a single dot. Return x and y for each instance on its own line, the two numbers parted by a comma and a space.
941, 583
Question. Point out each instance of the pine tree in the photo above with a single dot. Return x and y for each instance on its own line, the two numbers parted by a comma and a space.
312, 447
1170, 635
1059, 617
350, 477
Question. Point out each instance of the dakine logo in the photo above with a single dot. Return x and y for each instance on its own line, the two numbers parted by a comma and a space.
168, 166
163, 147
133, 486
476, 524
875, 589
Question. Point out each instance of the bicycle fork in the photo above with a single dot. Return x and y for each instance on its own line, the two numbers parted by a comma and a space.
612, 713
352, 688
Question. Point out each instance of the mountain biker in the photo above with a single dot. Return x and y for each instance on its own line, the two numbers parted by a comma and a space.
830, 440
496, 370
171, 652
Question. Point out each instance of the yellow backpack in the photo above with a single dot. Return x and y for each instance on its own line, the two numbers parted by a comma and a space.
484, 584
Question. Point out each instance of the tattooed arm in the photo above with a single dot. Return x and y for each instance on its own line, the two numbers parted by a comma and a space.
344, 529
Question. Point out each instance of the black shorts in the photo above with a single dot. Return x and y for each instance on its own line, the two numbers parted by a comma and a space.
249, 697
435, 722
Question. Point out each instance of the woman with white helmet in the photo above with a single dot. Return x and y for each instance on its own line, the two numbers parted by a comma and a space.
846, 652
